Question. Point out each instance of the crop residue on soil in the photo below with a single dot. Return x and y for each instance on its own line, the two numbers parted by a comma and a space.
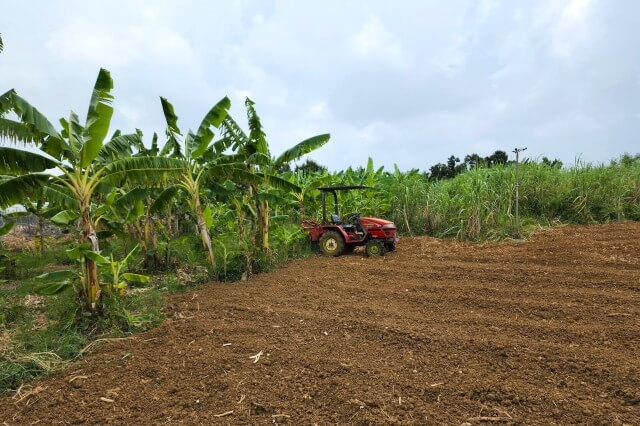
438, 332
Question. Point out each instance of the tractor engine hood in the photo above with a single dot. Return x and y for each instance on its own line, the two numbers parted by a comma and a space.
375, 221
379, 228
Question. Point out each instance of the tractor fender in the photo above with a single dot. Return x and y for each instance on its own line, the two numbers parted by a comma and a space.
335, 228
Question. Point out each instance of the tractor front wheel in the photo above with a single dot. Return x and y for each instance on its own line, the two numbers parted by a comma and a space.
374, 248
331, 243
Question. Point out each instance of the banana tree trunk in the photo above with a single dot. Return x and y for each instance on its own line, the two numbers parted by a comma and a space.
255, 238
169, 236
204, 232
41, 232
264, 226
246, 251
138, 231
90, 268
264, 219
150, 235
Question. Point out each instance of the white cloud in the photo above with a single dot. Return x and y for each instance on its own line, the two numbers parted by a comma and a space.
319, 110
571, 28
375, 42
486, 7
81, 41
130, 113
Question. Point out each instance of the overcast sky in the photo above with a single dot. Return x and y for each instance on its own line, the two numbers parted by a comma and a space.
406, 82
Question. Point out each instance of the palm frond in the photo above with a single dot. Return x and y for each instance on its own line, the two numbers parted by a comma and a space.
32, 118
204, 134
188, 144
172, 148
17, 162
302, 148
54, 147
221, 145
256, 135
282, 184
257, 158
129, 199
5, 102
73, 130
271, 198
147, 171
234, 133
60, 196
236, 172
15, 132
163, 200
154, 147
173, 131
120, 146
98, 118
17, 189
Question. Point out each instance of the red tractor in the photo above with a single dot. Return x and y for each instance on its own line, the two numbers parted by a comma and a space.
338, 236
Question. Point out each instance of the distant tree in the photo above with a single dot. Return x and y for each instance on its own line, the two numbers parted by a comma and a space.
449, 170
473, 161
628, 160
1, 44
439, 171
454, 167
310, 166
555, 163
451, 164
498, 157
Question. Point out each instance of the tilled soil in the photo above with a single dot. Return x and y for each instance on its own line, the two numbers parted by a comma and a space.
438, 332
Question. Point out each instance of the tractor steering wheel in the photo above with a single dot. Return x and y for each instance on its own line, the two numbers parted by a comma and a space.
353, 218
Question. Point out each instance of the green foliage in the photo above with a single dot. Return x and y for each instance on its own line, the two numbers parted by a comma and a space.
135, 312
479, 204
302, 148
10, 311
6, 228
36, 348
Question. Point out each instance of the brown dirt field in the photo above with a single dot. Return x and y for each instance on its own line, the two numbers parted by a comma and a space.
438, 332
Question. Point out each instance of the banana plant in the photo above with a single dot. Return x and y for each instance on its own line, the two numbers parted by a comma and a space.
200, 160
4, 259
242, 205
288, 235
74, 165
42, 210
253, 151
113, 276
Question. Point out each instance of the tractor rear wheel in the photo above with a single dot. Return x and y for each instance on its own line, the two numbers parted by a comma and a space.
331, 243
374, 248
389, 246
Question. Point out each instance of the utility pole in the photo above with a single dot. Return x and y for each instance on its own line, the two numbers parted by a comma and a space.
518, 151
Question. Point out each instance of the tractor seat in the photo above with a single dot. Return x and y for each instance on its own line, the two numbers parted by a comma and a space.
349, 228
335, 219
